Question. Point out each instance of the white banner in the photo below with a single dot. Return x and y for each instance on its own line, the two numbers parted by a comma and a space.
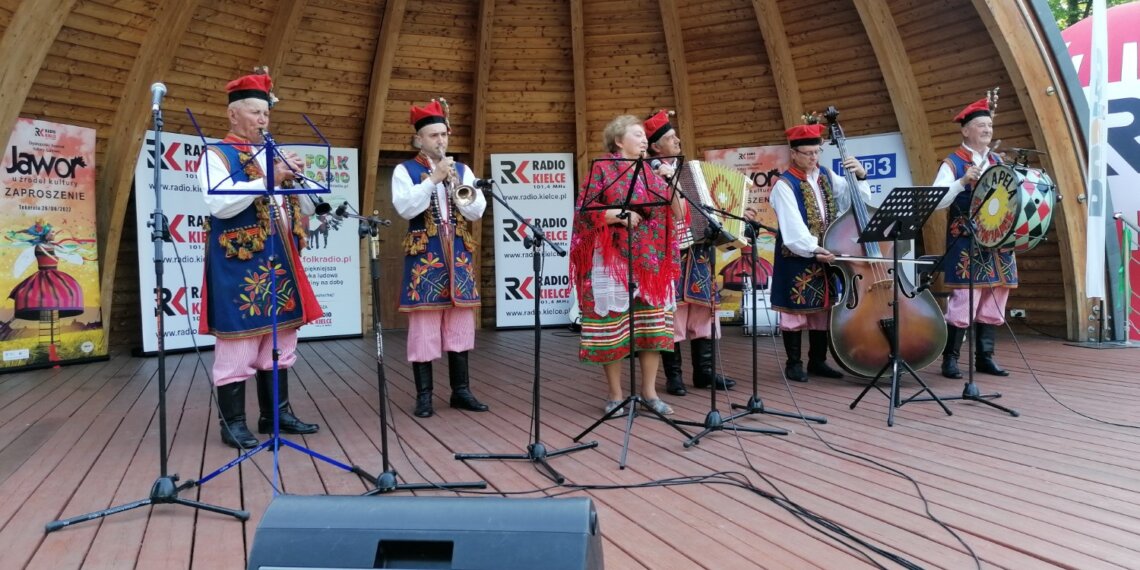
541, 188
1098, 149
884, 158
331, 260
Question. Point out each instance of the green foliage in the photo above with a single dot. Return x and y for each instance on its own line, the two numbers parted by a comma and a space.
1069, 12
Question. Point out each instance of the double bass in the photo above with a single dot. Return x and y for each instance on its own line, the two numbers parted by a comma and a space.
862, 322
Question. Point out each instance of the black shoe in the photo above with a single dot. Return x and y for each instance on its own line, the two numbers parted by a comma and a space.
231, 409
821, 368
984, 350
794, 371
287, 422
950, 368
461, 396
984, 363
674, 379
704, 369
421, 373
950, 354
817, 355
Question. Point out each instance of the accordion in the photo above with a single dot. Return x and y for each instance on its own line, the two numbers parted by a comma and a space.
717, 187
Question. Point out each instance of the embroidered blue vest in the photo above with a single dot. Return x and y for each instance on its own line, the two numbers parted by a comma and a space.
696, 284
240, 251
437, 275
991, 268
801, 284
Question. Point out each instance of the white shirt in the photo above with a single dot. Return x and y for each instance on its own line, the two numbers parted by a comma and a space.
945, 176
213, 177
797, 237
412, 198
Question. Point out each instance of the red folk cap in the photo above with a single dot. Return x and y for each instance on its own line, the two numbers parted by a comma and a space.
658, 125
429, 114
255, 86
805, 135
979, 108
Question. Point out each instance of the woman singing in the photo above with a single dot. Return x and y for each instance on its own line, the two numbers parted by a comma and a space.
599, 258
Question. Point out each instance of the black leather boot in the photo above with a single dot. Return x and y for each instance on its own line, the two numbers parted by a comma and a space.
421, 373
817, 356
953, 350
674, 377
703, 355
794, 367
984, 341
231, 412
288, 422
461, 396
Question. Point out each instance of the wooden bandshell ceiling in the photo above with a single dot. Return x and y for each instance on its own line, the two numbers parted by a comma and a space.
545, 76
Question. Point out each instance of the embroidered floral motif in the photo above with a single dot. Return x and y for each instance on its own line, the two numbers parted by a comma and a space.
256, 297
808, 287
814, 220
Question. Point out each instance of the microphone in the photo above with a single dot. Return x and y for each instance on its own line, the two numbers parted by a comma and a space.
341, 210
484, 183
655, 163
157, 90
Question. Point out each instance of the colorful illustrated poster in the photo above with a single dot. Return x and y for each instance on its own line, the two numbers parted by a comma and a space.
49, 265
762, 165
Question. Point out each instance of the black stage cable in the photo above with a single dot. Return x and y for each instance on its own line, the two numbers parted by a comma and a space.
1033, 374
873, 462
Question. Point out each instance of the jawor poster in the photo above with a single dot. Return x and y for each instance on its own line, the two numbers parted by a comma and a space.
49, 270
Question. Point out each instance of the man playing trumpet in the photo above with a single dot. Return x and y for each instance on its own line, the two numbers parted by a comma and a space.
439, 293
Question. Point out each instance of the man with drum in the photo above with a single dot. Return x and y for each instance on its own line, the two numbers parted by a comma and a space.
994, 271
696, 291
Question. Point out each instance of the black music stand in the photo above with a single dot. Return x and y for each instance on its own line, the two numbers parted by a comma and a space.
715, 234
272, 151
901, 216
536, 451
593, 202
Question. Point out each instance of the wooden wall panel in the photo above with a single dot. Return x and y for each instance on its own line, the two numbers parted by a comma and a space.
835, 65
730, 78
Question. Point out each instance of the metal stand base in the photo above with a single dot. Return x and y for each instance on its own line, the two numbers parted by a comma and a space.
893, 364
714, 422
635, 402
386, 482
756, 406
163, 492
971, 393
535, 453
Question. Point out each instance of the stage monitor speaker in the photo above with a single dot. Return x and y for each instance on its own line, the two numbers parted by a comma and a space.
340, 533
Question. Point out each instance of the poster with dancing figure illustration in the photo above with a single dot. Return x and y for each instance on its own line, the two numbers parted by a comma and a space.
49, 269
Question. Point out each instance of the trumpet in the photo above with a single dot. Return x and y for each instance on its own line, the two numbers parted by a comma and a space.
459, 193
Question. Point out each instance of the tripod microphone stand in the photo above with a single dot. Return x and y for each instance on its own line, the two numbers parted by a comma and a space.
275, 441
755, 405
536, 451
165, 489
714, 421
970, 391
386, 481
634, 400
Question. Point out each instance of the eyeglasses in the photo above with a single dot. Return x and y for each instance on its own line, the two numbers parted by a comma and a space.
809, 153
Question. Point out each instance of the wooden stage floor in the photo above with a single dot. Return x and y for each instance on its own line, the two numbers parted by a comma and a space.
1049, 489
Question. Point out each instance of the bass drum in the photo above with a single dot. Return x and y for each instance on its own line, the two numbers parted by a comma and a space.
1013, 207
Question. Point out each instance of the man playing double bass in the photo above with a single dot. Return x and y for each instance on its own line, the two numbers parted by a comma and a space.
995, 271
694, 318
807, 198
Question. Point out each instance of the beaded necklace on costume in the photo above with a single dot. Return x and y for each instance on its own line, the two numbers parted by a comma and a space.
253, 171
816, 221
435, 220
